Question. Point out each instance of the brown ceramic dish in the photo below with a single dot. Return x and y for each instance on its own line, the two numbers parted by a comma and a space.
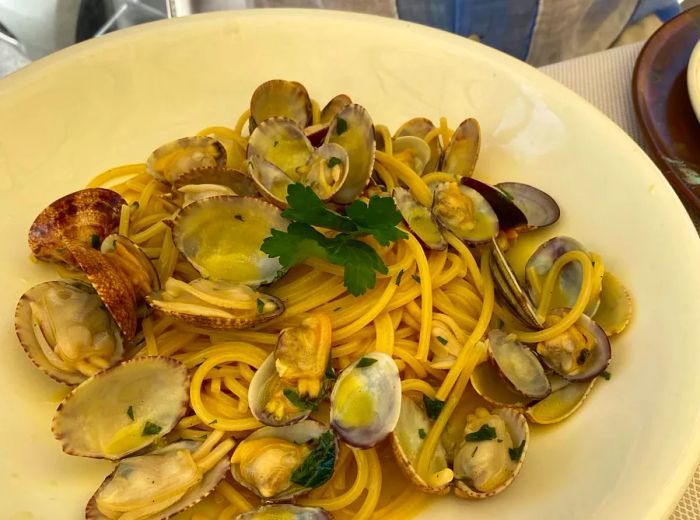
662, 104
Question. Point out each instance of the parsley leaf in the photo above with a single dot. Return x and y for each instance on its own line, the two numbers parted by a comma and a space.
378, 218
516, 453
341, 125
298, 401
433, 407
333, 161
398, 277
441, 340
151, 429
485, 433
421, 433
95, 241
317, 467
301, 240
130, 412
365, 362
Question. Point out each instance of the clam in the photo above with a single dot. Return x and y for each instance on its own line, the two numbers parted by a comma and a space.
335, 105
560, 404
488, 382
280, 142
352, 129
492, 452
327, 170
168, 162
221, 238
615, 309
421, 127
568, 284
462, 151
132, 262
115, 289
217, 305
412, 151
578, 354
278, 464
86, 216
509, 215
518, 365
122, 409
290, 382
539, 208
209, 182
285, 511
407, 441
156, 485
510, 290
366, 400
280, 98
419, 218
66, 331
464, 212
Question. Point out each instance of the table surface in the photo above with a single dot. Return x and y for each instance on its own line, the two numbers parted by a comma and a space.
604, 80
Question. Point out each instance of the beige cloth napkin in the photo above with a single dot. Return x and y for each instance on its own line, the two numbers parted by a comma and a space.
604, 79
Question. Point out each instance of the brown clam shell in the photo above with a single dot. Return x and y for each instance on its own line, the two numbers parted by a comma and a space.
116, 292
238, 181
80, 216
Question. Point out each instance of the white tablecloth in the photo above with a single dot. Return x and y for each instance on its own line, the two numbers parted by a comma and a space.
605, 79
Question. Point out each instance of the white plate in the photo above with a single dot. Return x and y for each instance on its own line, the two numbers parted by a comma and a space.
694, 79
631, 449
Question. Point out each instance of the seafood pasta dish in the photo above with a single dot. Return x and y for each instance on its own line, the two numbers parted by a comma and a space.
308, 316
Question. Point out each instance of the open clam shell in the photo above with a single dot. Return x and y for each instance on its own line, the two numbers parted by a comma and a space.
280, 142
216, 305
122, 409
419, 219
539, 208
221, 237
264, 383
62, 323
335, 105
412, 151
464, 212
116, 291
580, 353
462, 151
510, 216
168, 162
280, 98
278, 464
86, 216
488, 382
560, 404
518, 365
136, 479
366, 400
407, 441
421, 127
474, 457
352, 128
209, 182
286, 511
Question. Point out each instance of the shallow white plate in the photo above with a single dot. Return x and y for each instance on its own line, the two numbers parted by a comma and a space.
631, 449
694, 79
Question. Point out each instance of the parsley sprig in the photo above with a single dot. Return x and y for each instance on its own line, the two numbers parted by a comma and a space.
377, 218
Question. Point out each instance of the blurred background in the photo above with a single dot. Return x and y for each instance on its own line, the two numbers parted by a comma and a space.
536, 31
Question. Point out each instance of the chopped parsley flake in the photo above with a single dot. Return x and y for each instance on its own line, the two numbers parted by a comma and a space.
485, 433
421, 433
261, 306
398, 277
151, 429
441, 340
365, 362
516, 453
130, 412
334, 161
341, 126
416, 278
606, 375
